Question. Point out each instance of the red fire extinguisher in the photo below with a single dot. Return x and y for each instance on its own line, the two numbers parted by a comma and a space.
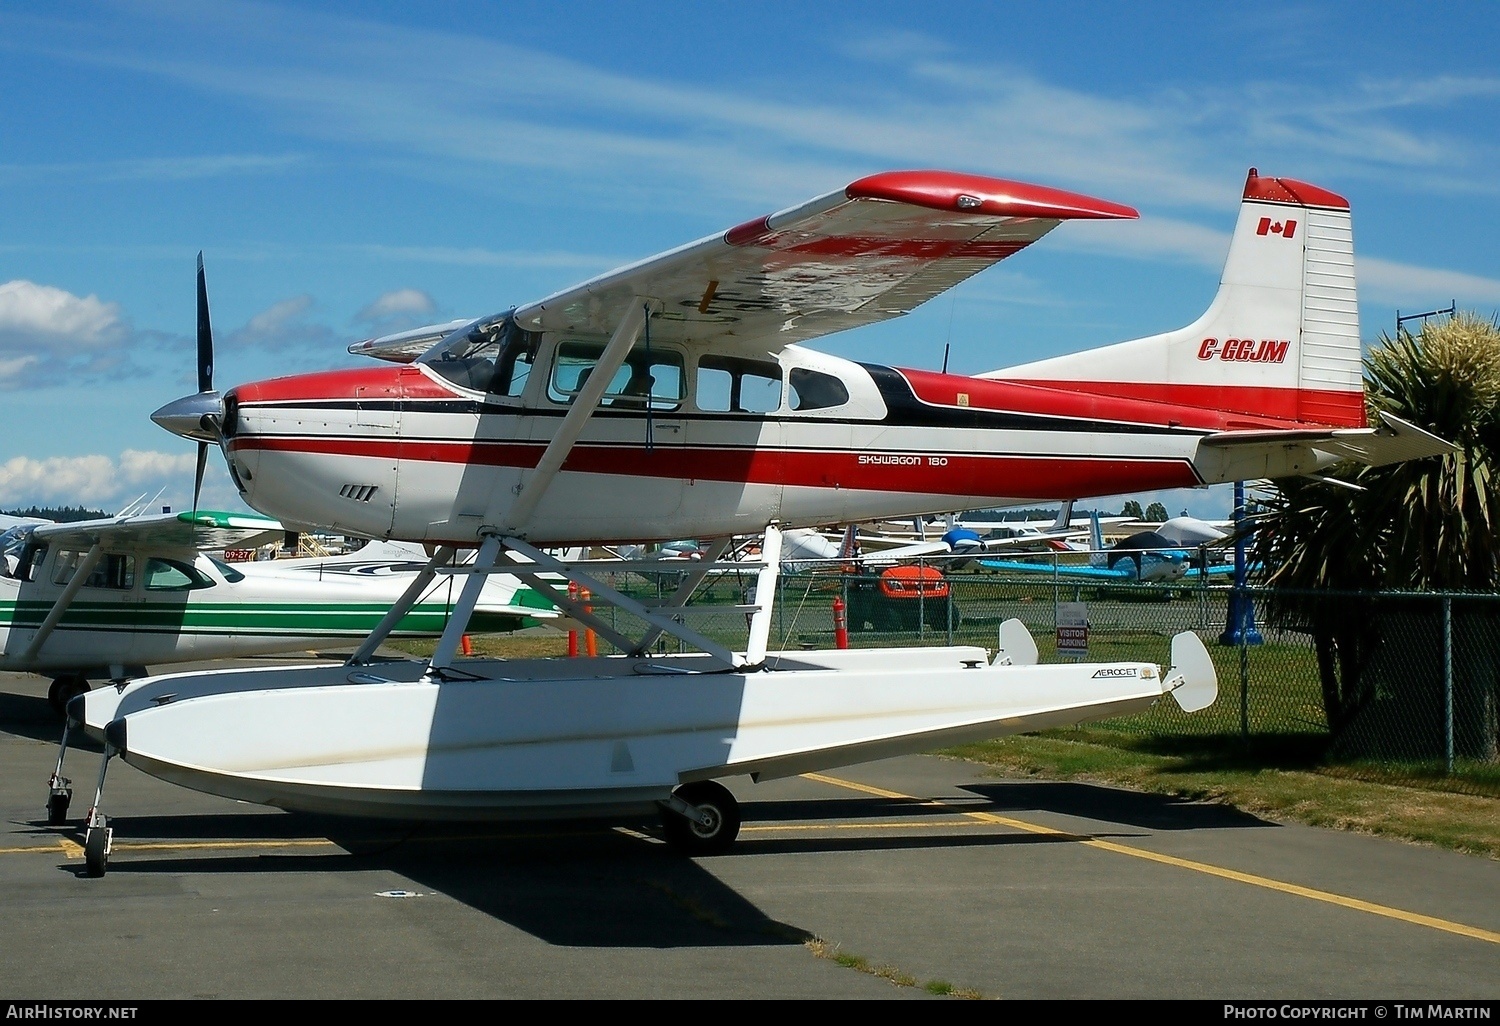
840, 623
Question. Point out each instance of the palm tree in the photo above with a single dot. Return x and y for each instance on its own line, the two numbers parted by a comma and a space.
1423, 525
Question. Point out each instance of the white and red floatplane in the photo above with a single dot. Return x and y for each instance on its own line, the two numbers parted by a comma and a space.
673, 398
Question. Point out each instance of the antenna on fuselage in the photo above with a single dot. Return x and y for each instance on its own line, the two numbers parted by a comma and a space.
651, 387
946, 346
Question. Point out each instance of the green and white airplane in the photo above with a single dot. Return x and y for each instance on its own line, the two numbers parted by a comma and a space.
105, 599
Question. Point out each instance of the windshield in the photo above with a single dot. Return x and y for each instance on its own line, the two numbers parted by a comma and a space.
15, 539
491, 356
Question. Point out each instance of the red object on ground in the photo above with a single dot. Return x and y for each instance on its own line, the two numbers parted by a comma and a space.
840, 623
572, 634
913, 582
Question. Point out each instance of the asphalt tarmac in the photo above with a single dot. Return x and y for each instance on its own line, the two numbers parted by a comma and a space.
917, 878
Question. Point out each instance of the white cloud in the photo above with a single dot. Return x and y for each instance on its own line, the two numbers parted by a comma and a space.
285, 326
160, 169
398, 302
53, 316
49, 336
109, 483
139, 466
84, 480
1396, 282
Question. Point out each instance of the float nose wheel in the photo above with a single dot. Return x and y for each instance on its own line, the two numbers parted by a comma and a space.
100, 836
64, 689
57, 803
702, 818
59, 787
96, 844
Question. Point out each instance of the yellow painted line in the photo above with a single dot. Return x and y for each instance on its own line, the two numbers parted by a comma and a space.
1253, 880
926, 824
73, 850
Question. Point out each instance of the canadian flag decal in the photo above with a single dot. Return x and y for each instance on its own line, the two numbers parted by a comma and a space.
1286, 229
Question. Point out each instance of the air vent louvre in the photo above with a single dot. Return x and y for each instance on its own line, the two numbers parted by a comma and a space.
359, 492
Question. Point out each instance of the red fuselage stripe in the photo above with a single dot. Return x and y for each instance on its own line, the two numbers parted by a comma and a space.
1047, 476
1223, 407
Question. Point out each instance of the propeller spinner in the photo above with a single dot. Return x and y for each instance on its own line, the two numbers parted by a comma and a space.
200, 416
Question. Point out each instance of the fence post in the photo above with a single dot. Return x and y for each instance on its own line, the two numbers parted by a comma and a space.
1244, 686
921, 600
1056, 586
950, 610
1448, 681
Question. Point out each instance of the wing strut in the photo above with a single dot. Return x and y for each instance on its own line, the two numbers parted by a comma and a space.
463, 609
403, 605
603, 592
584, 404
80, 574
517, 557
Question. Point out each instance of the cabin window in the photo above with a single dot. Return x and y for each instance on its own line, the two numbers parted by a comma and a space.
814, 390
113, 571
170, 575
727, 384
656, 378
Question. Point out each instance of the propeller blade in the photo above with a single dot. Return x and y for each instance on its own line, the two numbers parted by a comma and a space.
205, 336
198, 477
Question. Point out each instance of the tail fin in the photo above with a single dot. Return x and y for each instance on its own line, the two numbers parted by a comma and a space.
1064, 518
1097, 554
1281, 337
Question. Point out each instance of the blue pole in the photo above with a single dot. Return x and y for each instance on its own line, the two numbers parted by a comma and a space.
1240, 626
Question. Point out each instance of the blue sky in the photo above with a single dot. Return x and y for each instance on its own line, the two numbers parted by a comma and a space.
349, 168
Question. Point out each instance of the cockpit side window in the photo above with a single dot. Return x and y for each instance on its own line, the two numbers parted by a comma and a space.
29, 563
171, 575
814, 390
728, 384
654, 378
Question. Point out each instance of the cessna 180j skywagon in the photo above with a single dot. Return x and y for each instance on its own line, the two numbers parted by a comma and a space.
673, 398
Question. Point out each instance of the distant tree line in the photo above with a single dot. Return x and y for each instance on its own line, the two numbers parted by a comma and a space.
1155, 513
61, 514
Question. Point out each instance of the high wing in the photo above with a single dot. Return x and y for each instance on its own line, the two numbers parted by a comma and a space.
204, 531
874, 250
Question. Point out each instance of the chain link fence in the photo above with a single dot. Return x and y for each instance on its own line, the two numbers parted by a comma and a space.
1418, 675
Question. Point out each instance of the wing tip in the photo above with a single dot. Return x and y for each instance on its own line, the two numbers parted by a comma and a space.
968, 193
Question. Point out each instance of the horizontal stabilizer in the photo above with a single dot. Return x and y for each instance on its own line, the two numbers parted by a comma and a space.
1245, 455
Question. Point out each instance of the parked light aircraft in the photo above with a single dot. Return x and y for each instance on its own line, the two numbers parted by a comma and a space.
1175, 550
885, 544
1142, 556
673, 398
106, 598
